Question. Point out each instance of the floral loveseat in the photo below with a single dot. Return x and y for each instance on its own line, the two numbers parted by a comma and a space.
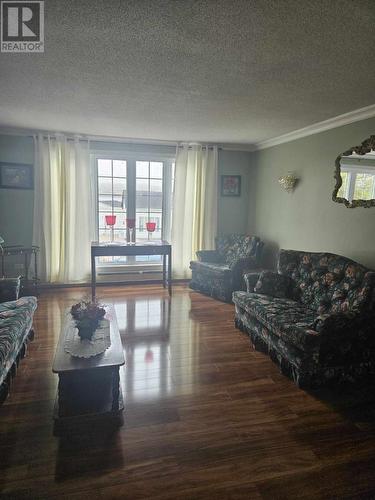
219, 272
315, 317
16, 317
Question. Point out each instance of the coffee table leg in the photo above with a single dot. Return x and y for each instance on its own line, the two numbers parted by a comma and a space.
115, 388
62, 393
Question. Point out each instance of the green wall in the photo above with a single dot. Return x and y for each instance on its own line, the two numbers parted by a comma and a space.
16, 205
233, 210
308, 219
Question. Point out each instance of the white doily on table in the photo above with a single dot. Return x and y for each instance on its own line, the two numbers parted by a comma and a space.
86, 348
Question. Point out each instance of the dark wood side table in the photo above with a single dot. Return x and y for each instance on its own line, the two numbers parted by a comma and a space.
89, 388
155, 248
27, 253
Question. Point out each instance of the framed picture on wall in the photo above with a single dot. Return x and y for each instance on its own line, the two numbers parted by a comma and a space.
16, 176
230, 185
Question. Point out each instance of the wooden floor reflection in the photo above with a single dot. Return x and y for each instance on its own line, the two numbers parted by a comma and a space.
205, 415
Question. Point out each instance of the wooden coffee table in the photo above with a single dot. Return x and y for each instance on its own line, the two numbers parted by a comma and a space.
89, 389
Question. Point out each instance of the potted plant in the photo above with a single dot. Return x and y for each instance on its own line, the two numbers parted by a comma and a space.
87, 315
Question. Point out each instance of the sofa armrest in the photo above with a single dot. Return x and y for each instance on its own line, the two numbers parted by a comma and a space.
329, 324
342, 330
9, 289
274, 284
251, 280
239, 268
208, 256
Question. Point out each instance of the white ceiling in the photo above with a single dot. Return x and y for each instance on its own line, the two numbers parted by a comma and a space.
226, 71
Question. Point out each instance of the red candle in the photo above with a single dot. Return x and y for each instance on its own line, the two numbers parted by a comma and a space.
149, 356
150, 226
110, 220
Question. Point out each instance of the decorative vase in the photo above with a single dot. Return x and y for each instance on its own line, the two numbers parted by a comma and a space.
87, 329
86, 332
87, 316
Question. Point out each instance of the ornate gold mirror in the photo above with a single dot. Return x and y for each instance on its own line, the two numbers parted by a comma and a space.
355, 176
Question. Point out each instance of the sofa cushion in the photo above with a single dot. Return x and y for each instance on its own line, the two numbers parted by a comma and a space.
211, 268
327, 282
15, 322
209, 256
236, 246
286, 318
274, 284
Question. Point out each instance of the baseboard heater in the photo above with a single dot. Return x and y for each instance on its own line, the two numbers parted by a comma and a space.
112, 272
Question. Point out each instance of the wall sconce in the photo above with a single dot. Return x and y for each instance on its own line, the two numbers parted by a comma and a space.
288, 182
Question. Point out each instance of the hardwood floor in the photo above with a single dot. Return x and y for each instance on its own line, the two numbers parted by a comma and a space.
206, 416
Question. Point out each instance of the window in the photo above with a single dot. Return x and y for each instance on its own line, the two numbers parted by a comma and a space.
357, 185
112, 186
135, 188
149, 198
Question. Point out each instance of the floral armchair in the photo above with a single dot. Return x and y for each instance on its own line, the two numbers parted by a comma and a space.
219, 272
315, 317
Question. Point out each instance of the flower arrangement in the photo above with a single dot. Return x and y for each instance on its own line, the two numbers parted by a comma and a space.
87, 315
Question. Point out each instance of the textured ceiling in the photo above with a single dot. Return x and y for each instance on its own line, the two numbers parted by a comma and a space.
233, 71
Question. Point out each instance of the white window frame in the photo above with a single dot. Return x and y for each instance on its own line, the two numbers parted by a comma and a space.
131, 158
352, 170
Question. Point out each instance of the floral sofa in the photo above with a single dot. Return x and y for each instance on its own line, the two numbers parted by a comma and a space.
16, 317
219, 272
315, 317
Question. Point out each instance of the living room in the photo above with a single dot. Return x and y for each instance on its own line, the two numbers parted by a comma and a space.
187, 199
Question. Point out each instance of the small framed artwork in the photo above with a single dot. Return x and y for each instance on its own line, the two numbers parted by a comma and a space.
230, 185
16, 176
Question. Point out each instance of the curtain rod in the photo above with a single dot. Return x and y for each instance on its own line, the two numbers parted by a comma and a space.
93, 139
131, 142
204, 146
123, 140
99, 138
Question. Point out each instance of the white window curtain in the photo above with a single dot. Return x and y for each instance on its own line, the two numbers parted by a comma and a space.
194, 222
63, 208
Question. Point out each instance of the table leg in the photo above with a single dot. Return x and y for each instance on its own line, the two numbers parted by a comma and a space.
62, 393
35, 270
93, 277
26, 268
115, 388
164, 270
170, 271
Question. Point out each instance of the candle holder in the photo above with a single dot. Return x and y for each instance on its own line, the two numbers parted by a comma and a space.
150, 226
130, 231
110, 221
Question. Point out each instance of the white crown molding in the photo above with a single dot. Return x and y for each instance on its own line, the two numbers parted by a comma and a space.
337, 121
